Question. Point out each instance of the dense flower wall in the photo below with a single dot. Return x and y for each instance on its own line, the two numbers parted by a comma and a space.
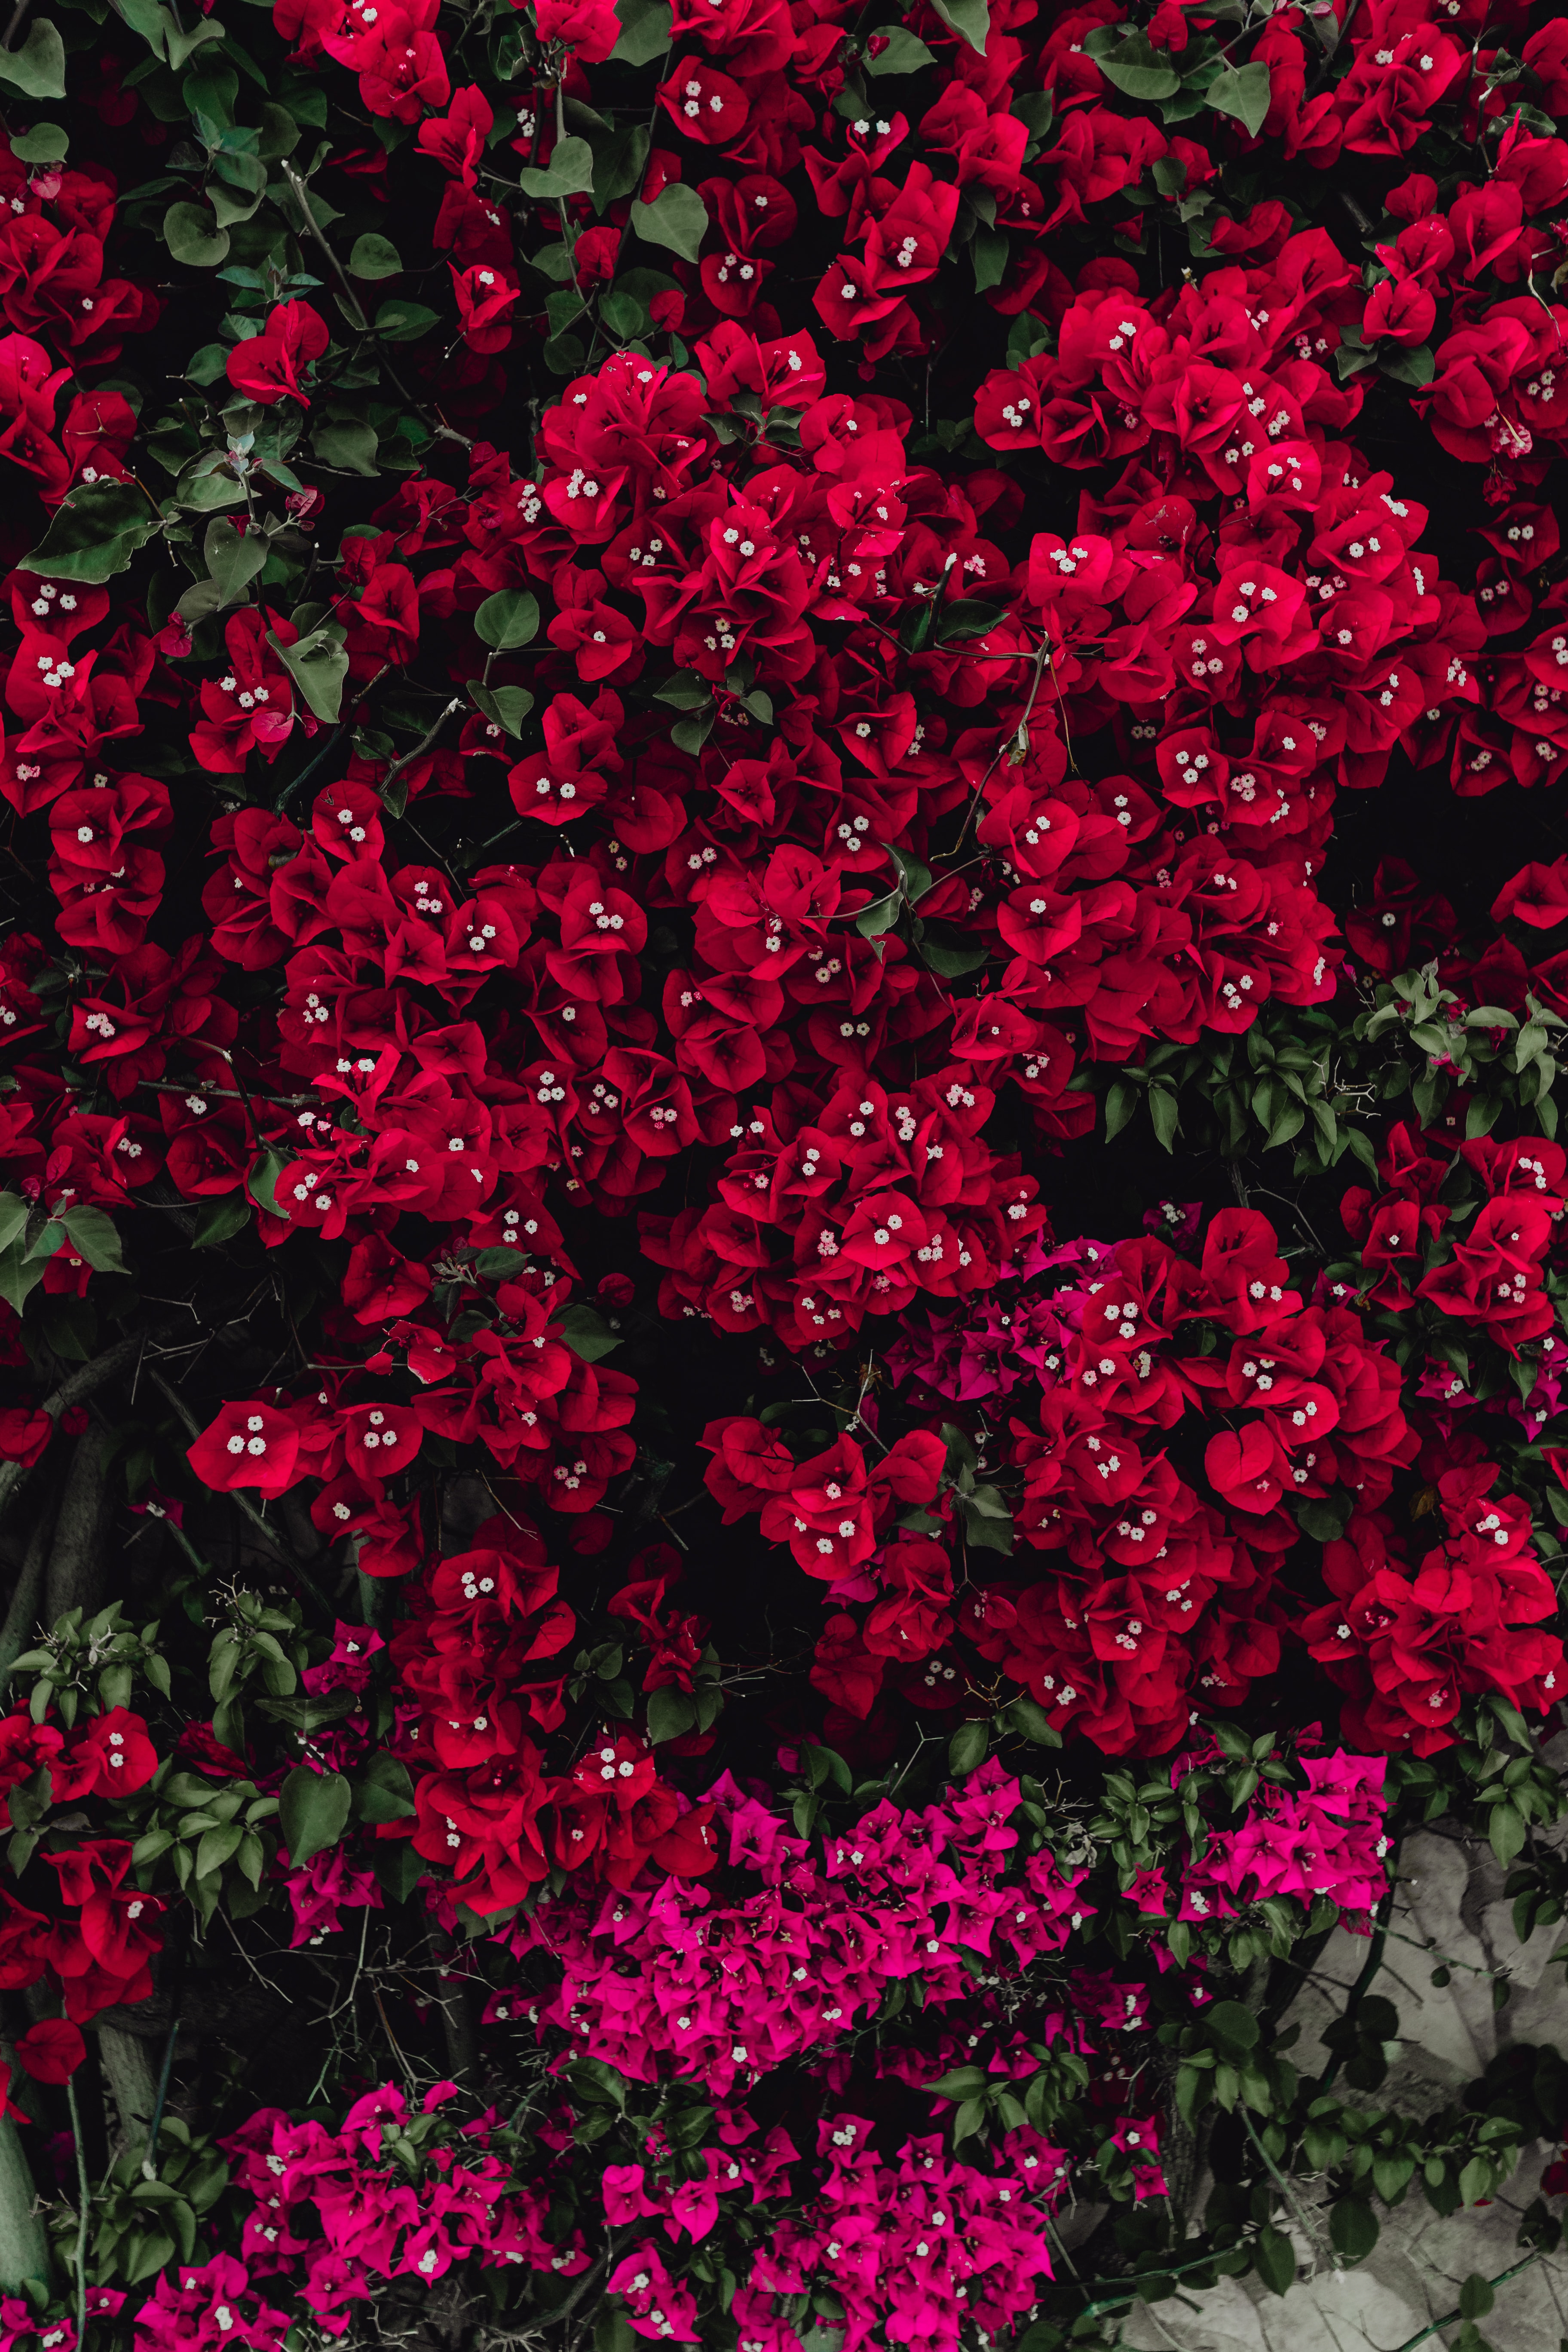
783, 942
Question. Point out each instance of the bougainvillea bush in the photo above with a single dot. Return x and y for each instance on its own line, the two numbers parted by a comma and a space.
783, 1336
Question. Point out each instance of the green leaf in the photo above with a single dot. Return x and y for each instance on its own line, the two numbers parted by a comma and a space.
47, 143
347, 442
970, 19
386, 1793
968, 616
618, 165
670, 1713
1241, 91
1476, 2297
586, 1333
947, 954
677, 218
504, 706
279, 134
989, 251
219, 1220
1231, 2023
318, 666
237, 189
398, 321
399, 1869
961, 2082
508, 619
19, 1275
232, 563
95, 533
208, 365
373, 256
166, 39
1324, 1517
613, 2332
1166, 1114
216, 1846
1273, 2259
1415, 367
1133, 65
914, 878
569, 171
1475, 2180
1506, 1830
312, 1812
92, 1231
1030, 1721
1353, 2229
646, 31
193, 236
13, 1218
687, 690
968, 1748
621, 316
39, 68
880, 916
1120, 1102
500, 1264
904, 53
262, 1179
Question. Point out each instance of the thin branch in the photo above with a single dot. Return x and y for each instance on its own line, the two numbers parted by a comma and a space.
84, 2194
421, 746
301, 198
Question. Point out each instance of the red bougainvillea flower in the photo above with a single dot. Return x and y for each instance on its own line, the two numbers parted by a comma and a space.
274, 363
249, 1444
52, 2049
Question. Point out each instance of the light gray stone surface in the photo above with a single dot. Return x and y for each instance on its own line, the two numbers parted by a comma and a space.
1450, 1911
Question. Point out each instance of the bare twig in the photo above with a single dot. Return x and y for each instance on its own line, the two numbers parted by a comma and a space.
421, 746
351, 300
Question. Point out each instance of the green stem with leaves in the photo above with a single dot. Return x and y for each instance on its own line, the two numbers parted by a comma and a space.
1362, 1984
1452, 2319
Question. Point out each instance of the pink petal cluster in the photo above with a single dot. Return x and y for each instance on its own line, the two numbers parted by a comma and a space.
917, 2250
1327, 1839
677, 1978
385, 2196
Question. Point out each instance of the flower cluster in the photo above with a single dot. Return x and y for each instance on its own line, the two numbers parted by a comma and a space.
1406, 1639
918, 2248
737, 774
1097, 1367
729, 1991
488, 1814
1327, 1840
385, 2196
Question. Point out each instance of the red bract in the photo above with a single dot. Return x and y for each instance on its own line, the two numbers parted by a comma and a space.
274, 361
250, 1444
52, 2049
1406, 1646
